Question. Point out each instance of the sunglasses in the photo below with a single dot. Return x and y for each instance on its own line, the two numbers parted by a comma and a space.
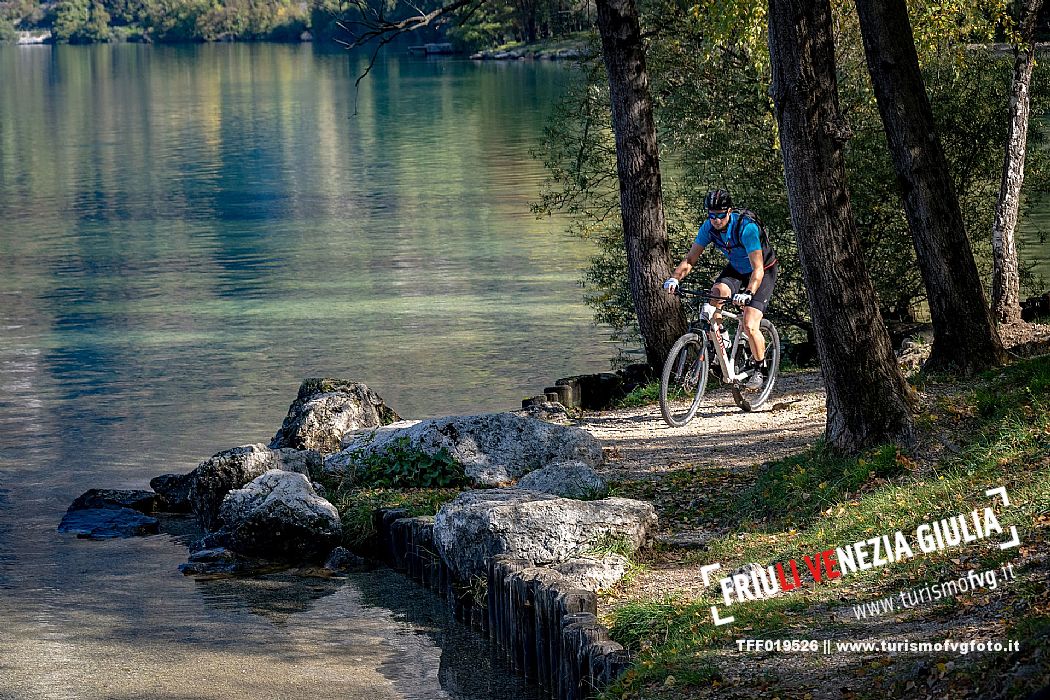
717, 215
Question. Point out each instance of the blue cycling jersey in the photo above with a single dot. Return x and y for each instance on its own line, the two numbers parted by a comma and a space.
750, 240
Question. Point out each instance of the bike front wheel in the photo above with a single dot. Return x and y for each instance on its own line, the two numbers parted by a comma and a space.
684, 379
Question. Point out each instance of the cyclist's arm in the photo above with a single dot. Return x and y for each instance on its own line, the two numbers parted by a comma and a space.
753, 245
686, 266
757, 270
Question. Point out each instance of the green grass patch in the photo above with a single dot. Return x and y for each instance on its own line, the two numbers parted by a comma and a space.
357, 508
794, 490
645, 395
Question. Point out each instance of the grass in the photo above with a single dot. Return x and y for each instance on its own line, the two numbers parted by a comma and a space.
357, 508
644, 395
999, 426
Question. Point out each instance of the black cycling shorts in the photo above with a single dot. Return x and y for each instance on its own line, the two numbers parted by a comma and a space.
737, 281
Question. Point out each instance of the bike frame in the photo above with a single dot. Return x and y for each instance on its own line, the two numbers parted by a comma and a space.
722, 354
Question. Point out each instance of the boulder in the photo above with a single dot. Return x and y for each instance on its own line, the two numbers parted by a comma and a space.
327, 409
567, 479
549, 411
142, 501
494, 448
546, 529
594, 573
107, 523
280, 516
173, 492
232, 469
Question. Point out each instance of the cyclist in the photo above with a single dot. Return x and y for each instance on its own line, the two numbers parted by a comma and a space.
748, 277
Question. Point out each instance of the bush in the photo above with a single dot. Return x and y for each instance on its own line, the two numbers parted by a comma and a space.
8, 33
405, 466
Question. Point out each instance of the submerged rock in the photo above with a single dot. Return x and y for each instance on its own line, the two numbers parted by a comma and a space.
546, 529
327, 409
280, 516
232, 469
223, 562
342, 560
494, 448
102, 514
107, 523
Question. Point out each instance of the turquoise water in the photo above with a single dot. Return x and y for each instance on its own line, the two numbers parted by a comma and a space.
187, 233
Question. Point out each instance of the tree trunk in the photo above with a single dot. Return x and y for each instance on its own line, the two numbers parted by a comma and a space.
1006, 283
866, 393
964, 338
660, 316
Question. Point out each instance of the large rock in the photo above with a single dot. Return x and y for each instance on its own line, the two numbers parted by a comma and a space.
567, 479
232, 469
280, 516
142, 501
327, 409
594, 573
494, 448
478, 525
173, 492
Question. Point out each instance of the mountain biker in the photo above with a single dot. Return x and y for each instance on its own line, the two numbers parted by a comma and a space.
748, 277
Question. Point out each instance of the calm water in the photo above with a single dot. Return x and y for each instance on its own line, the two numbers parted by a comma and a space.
186, 234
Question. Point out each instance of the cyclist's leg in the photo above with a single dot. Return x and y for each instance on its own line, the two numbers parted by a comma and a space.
754, 312
726, 284
752, 319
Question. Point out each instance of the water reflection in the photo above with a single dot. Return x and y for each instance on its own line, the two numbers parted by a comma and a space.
188, 233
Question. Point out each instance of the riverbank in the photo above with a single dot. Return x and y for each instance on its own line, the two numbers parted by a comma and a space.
735, 489
570, 48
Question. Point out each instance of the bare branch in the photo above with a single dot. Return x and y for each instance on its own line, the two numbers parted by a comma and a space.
373, 25
380, 27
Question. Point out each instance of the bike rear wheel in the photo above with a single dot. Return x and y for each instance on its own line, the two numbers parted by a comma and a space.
750, 399
684, 379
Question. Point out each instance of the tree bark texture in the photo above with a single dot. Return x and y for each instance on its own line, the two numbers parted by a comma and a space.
866, 392
660, 317
1006, 281
965, 339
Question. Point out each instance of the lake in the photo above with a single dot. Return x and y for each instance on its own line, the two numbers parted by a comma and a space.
188, 232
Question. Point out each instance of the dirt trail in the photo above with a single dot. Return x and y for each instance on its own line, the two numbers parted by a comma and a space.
722, 446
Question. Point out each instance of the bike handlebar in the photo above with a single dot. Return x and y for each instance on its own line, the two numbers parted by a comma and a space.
679, 291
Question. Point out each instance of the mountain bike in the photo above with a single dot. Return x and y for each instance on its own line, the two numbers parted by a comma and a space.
688, 364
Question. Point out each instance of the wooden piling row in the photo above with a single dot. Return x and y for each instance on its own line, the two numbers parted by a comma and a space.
540, 621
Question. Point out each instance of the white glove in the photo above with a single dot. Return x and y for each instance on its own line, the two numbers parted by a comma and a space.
671, 285
742, 299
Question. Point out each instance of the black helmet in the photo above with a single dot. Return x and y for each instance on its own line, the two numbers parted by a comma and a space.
718, 199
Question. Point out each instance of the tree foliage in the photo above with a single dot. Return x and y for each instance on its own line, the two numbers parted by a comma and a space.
91, 21
709, 68
81, 22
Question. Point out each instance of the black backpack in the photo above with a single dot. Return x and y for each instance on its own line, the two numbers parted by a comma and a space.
736, 233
